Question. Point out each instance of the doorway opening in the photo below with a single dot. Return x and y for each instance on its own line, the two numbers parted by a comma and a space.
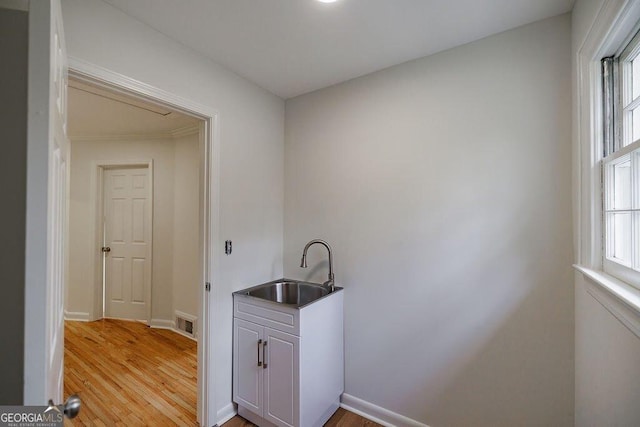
139, 237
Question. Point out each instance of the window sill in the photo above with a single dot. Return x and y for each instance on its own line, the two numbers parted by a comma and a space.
619, 298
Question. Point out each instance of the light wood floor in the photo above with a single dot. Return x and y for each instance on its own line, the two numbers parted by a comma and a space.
128, 374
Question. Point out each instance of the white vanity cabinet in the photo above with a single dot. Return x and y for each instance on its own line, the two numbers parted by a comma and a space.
288, 363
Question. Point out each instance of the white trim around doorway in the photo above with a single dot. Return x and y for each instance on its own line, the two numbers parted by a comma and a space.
209, 210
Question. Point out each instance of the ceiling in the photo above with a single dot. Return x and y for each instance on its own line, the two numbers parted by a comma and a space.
291, 47
96, 112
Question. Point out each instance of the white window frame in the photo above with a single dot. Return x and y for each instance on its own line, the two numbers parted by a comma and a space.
630, 51
627, 272
624, 148
614, 22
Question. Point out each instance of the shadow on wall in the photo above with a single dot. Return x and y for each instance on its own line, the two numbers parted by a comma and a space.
496, 358
473, 342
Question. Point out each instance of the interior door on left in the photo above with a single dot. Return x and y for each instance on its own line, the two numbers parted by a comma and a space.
47, 156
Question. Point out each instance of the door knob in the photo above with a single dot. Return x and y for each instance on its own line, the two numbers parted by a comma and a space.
71, 406
106, 249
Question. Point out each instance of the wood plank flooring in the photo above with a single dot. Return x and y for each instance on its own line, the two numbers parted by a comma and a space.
341, 418
128, 374
344, 418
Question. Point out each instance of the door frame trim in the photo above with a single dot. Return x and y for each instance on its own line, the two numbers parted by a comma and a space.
209, 211
99, 169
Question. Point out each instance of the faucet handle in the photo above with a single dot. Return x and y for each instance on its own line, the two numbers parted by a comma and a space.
330, 284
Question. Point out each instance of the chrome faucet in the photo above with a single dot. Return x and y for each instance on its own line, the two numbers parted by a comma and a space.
329, 283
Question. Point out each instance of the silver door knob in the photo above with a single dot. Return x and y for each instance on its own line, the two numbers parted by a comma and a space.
71, 406
106, 249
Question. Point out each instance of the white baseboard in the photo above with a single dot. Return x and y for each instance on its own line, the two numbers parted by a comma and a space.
178, 331
77, 316
169, 325
376, 413
162, 324
226, 413
350, 403
187, 316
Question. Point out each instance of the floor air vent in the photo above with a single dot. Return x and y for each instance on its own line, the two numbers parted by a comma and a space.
186, 324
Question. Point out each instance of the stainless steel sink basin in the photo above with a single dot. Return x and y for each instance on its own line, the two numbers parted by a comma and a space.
289, 292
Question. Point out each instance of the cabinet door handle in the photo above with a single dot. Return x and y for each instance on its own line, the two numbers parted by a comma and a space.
264, 354
259, 361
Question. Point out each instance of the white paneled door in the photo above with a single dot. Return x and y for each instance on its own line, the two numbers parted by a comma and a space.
127, 242
58, 150
47, 153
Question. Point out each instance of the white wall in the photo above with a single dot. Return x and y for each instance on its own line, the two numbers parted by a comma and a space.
251, 136
83, 288
186, 233
444, 187
607, 354
607, 366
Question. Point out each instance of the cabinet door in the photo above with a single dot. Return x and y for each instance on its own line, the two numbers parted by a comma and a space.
281, 378
247, 374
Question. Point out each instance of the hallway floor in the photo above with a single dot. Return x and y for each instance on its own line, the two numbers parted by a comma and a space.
129, 374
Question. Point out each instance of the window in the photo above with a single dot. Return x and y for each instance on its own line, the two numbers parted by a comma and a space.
621, 163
